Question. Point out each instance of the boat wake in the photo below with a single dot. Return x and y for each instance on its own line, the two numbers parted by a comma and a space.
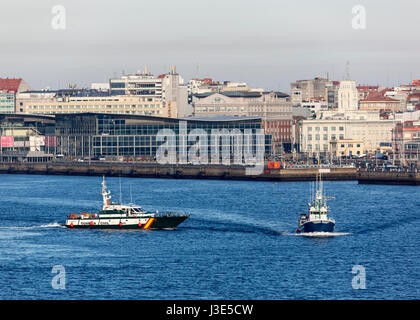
318, 234
42, 226
229, 221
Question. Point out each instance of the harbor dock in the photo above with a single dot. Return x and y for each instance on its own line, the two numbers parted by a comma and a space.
215, 172
178, 171
388, 177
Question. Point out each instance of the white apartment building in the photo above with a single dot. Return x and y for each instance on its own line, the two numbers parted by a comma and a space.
315, 106
321, 136
50, 103
169, 88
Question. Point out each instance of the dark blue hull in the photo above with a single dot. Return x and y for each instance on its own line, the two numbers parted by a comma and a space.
319, 226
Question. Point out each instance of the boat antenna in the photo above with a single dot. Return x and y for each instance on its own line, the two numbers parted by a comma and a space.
131, 195
310, 191
120, 192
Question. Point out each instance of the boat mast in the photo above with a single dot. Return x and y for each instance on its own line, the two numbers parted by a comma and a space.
105, 194
319, 193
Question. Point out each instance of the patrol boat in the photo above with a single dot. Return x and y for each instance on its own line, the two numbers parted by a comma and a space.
119, 216
316, 220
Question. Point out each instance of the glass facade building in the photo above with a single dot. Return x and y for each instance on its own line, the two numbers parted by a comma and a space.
7, 102
130, 136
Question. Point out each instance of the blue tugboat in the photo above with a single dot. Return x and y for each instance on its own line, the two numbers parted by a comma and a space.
316, 220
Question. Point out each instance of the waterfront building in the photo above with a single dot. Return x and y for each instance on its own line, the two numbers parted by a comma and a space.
274, 108
347, 148
26, 138
321, 135
115, 136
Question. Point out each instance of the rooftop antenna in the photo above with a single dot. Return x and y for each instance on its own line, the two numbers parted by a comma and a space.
347, 70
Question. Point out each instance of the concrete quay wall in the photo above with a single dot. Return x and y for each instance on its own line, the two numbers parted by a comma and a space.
153, 170
394, 177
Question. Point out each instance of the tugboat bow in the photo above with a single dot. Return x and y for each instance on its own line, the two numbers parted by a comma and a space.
317, 220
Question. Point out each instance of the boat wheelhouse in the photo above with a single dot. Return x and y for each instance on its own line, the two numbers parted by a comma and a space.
317, 220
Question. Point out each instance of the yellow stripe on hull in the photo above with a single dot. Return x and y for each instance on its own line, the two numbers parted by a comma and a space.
148, 223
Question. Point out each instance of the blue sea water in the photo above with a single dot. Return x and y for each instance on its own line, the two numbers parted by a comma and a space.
239, 242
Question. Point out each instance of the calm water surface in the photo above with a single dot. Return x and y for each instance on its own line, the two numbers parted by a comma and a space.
238, 244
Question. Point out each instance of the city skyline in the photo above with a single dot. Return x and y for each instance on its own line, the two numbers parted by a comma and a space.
214, 39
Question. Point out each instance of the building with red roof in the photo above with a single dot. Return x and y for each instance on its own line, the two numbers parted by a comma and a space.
365, 90
13, 85
378, 101
8, 90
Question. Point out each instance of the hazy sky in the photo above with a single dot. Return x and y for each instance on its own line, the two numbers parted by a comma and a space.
267, 43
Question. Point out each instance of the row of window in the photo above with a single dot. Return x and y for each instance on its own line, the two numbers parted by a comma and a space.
205, 109
325, 147
317, 147
142, 106
325, 137
113, 111
326, 128
350, 145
